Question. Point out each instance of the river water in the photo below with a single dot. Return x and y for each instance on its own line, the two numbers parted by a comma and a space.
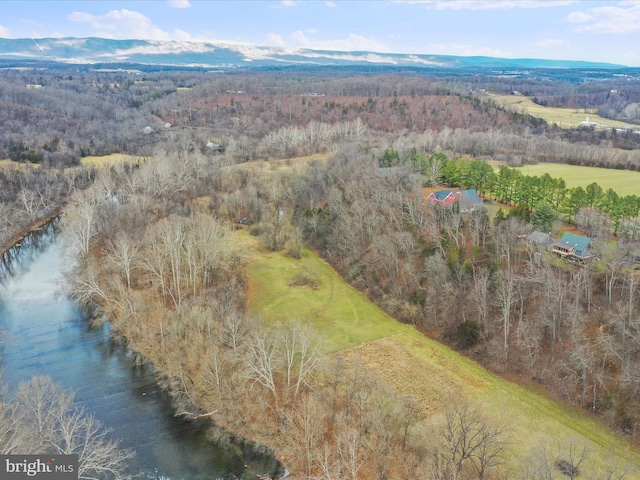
45, 333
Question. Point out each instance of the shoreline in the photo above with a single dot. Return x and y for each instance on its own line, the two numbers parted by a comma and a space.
40, 223
25, 230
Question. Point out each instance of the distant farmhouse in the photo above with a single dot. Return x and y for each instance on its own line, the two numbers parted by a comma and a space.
587, 123
468, 200
573, 246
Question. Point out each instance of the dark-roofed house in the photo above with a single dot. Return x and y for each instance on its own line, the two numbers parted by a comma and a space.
468, 200
540, 239
572, 245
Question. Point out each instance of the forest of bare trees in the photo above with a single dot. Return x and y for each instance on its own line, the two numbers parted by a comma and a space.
162, 269
152, 249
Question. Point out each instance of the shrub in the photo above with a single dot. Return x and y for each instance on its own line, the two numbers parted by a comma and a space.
567, 468
305, 279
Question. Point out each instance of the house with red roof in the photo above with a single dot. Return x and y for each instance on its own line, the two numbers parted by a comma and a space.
468, 200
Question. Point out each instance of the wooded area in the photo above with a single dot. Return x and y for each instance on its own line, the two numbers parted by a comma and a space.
152, 248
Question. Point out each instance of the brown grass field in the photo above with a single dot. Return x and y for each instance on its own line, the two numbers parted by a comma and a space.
106, 161
563, 117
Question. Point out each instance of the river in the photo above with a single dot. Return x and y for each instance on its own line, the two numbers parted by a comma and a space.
45, 333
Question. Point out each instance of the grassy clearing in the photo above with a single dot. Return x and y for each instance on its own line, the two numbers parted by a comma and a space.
106, 161
340, 314
283, 164
563, 117
623, 182
9, 164
415, 364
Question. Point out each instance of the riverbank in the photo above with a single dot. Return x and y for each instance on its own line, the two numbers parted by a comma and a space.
20, 233
50, 336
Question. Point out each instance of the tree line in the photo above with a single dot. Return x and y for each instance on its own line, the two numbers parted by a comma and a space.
539, 199
474, 283
98, 113
153, 251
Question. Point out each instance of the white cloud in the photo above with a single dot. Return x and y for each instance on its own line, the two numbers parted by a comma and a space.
179, 3
306, 39
624, 18
160, 47
72, 42
123, 24
368, 57
488, 4
579, 17
275, 39
464, 50
330, 4
186, 36
4, 32
549, 42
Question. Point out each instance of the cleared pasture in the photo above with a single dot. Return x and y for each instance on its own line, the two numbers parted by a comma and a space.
9, 164
623, 182
563, 117
350, 325
105, 161
278, 165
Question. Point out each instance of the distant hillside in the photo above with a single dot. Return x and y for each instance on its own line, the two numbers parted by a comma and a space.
233, 56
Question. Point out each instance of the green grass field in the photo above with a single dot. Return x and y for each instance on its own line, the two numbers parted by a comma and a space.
563, 117
623, 182
414, 364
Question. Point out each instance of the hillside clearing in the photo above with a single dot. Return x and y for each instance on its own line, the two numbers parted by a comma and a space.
435, 375
563, 117
282, 164
109, 160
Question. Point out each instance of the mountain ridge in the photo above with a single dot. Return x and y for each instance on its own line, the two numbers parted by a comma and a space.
230, 55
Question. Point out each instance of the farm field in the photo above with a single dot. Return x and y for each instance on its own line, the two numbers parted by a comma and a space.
281, 164
109, 160
7, 163
563, 117
623, 182
434, 374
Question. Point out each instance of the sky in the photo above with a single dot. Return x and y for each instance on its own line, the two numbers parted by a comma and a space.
590, 30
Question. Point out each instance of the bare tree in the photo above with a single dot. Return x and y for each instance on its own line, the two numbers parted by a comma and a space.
507, 296
80, 225
289, 354
308, 423
573, 459
48, 422
123, 252
469, 439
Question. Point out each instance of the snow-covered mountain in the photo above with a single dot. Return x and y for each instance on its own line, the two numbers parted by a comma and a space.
234, 55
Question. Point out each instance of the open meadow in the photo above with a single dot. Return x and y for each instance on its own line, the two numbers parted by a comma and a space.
282, 164
562, 117
623, 182
105, 161
348, 324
